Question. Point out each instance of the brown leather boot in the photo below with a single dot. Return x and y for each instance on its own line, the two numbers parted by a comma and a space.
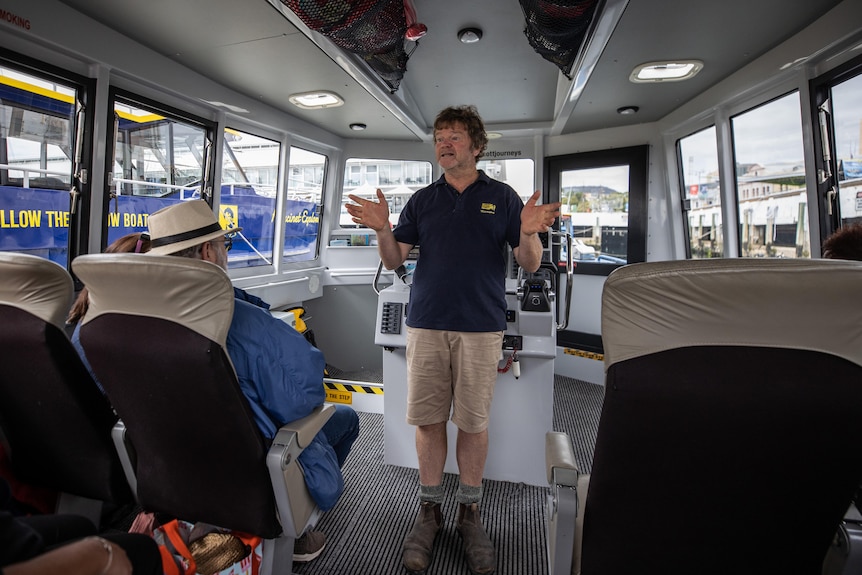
478, 549
417, 546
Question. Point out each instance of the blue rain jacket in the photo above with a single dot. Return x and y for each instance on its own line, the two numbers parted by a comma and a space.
281, 375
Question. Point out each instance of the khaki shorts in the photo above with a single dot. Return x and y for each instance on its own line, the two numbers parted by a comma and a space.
451, 371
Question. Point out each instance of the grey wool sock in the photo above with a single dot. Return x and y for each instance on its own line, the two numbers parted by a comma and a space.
468, 494
431, 493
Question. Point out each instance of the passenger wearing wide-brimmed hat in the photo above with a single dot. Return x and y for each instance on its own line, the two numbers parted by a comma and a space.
182, 226
279, 371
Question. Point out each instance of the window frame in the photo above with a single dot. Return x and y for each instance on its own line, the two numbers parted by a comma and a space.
211, 154
267, 267
79, 216
734, 193
820, 89
282, 199
637, 160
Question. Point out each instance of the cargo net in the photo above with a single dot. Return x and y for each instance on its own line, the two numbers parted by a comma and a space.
371, 29
556, 30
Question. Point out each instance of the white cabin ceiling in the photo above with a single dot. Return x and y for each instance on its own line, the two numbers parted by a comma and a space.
251, 47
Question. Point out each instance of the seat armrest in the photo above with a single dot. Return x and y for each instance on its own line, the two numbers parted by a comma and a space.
126, 452
563, 514
303, 430
297, 510
560, 459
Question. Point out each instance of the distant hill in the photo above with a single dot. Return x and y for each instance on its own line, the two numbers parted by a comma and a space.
588, 190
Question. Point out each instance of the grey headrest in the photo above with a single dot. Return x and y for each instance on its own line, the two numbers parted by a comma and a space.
785, 303
193, 293
36, 285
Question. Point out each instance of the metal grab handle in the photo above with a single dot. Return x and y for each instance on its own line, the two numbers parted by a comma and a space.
400, 273
569, 275
377, 277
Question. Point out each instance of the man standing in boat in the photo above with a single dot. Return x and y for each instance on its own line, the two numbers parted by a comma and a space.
455, 323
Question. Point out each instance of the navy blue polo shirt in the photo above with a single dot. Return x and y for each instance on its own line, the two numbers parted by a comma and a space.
459, 283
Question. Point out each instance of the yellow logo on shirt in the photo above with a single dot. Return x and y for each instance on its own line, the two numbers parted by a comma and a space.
488, 208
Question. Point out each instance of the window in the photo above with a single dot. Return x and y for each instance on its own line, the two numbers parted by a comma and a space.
848, 130
249, 184
304, 202
603, 196
371, 177
37, 164
839, 140
364, 176
159, 160
518, 173
390, 174
770, 180
698, 159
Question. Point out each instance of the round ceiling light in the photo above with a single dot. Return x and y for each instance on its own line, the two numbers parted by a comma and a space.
358, 126
470, 35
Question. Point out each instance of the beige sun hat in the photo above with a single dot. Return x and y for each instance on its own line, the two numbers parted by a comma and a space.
183, 225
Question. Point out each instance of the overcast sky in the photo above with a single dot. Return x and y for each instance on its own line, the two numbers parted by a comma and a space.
613, 177
772, 133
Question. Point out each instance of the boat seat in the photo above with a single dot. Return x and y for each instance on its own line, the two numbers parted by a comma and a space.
155, 335
55, 420
728, 440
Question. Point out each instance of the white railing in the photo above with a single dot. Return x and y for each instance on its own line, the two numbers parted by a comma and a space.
25, 171
266, 190
172, 187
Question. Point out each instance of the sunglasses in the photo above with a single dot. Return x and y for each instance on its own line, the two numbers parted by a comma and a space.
228, 242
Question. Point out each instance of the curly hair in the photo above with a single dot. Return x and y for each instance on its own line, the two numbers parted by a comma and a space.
844, 244
467, 116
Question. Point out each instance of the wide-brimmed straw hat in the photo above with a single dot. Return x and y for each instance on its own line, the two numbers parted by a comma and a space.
183, 225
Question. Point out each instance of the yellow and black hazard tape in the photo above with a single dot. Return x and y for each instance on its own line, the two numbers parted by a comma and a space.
582, 353
374, 390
